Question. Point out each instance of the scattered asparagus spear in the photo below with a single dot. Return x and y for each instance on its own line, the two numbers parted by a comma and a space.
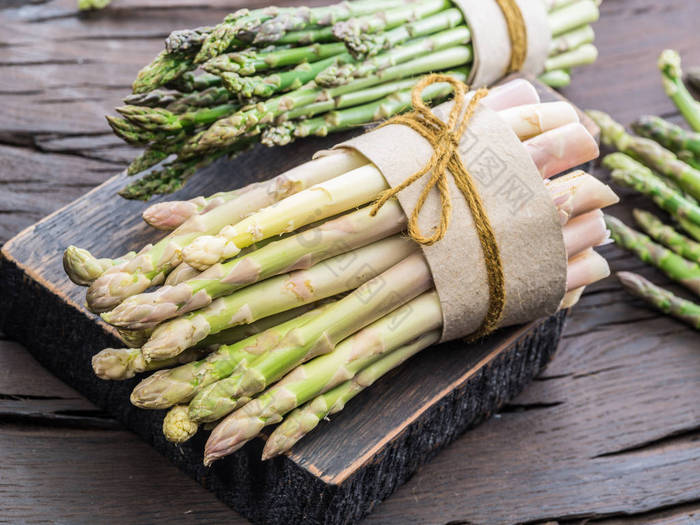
684, 143
661, 299
374, 299
667, 236
649, 152
630, 173
420, 316
303, 420
672, 77
676, 267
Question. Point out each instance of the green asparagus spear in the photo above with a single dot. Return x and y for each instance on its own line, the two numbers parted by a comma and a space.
649, 152
672, 78
667, 236
169, 387
303, 420
226, 131
123, 363
585, 54
339, 74
661, 299
416, 318
86, 5
151, 266
299, 251
189, 82
371, 301
138, 136
353, 31
384, 108
571, 40
684, 143
211, 96
277, 294
371, 44
151, 156
266, 86
340, 194
690, 227
251, 61
300, 18
396, 97
676, 267
177, 427
168, 215
574, 15
186, 40
557, 78
165, 68
153, 99
160, 119
628, 172
172, 176
83, 268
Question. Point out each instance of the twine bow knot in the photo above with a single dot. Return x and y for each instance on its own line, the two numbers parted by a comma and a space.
444, 137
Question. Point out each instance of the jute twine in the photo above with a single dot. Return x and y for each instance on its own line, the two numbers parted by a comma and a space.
444, 137
517, 31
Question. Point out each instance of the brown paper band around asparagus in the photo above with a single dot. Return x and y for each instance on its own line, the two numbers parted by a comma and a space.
498, 28
520, 211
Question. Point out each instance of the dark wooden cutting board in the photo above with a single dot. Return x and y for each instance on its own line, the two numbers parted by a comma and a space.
340, 471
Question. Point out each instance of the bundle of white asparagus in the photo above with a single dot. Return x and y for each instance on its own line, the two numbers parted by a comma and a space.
281, 300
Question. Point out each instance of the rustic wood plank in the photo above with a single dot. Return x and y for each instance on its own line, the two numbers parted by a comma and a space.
624, 81
74, 476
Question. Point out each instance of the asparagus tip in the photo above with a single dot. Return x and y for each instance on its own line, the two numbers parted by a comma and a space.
177, 426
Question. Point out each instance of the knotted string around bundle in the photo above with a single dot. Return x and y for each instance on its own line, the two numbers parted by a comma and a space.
444, 137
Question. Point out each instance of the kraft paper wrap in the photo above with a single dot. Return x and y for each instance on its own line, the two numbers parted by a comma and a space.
518, 205
491, 41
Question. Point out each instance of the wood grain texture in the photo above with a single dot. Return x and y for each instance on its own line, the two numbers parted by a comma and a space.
124, 474
341, 471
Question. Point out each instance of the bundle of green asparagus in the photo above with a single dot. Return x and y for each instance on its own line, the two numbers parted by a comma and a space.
277, 74
298, 311
671, 179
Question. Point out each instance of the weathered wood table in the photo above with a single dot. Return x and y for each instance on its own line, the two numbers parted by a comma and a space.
608, 434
